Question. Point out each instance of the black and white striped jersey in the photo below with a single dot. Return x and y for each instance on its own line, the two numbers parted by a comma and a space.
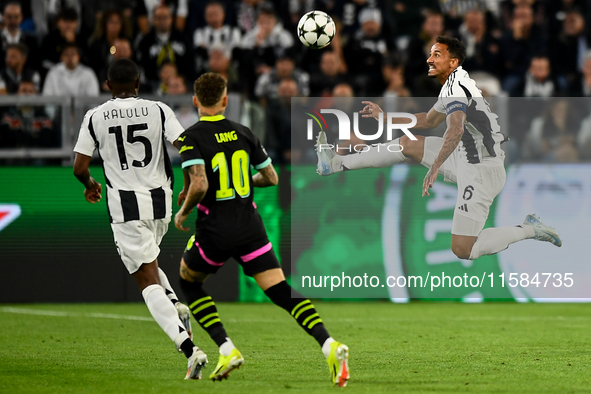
129, 135
482, 134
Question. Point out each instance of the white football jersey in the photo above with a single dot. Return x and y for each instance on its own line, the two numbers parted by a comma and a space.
482, 133
129, 134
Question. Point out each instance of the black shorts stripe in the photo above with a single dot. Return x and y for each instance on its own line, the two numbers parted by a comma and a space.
158, 203
129, 205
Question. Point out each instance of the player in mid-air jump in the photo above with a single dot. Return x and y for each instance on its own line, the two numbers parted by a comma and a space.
217, 155
129, 134
469, 154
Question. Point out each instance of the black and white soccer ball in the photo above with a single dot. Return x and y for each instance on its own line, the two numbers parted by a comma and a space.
316, 29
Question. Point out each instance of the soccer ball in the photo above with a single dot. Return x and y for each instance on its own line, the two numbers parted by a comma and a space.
316, 29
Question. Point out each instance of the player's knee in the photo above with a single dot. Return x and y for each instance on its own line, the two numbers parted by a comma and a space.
461, 251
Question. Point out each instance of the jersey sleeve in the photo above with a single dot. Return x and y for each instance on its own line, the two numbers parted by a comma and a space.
172, 126
260, 158
189, 151
452, 98
86, 141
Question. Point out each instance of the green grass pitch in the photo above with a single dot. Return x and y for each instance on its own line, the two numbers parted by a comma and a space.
416, 347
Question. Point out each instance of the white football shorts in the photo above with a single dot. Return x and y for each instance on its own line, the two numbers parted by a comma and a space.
138, 241
478, 185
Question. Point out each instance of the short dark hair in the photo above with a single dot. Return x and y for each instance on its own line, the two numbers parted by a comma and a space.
69, 45
455, 48
209, 88
22, 48
123, 72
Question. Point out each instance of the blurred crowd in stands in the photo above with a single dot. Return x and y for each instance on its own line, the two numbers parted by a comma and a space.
515, 48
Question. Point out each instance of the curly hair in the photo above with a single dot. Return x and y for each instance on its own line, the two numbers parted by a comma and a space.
209, 88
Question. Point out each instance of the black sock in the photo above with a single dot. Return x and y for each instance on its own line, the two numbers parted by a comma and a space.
204, 311
300, 308
187, 347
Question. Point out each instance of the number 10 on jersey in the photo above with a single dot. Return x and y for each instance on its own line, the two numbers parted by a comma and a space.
240, 179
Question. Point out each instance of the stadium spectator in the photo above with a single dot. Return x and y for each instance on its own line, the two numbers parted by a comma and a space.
219, 62
393, 74
186, 114
482, 48
165, 74
267, 37
278, 122
555, 11
164, 44
552, 135
538, 81
121, 49
70, 78
268, 83
581, 87
518, 46
27, 126
246, 14
322, 83
260, 46
568, 49
348, 13
196, 16
112, 25
145, 11
216, 33
455, 10
12, 18
365, 52
407, 17
16, 70
507, 9
64, 34
417, 54
92, 12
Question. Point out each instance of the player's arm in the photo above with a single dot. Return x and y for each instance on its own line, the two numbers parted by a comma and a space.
425, 120
186, 183
93, 189
451, 139
265, 177
197, 188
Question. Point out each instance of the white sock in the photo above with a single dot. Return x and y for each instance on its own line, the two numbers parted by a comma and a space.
167, 287
375, 156
493, 240
165, 314
227, 347
326, 347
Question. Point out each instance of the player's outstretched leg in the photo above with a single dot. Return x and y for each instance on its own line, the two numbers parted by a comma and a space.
303, 311
165, 314
372, 156
494, 240
205, 312
182, 310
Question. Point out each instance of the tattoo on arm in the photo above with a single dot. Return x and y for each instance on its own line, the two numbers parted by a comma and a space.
197, 188
452, 136
265, 177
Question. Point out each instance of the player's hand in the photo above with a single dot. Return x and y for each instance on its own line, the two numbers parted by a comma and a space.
179, 219
430, 178
371, 110
93, 193
182, 197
